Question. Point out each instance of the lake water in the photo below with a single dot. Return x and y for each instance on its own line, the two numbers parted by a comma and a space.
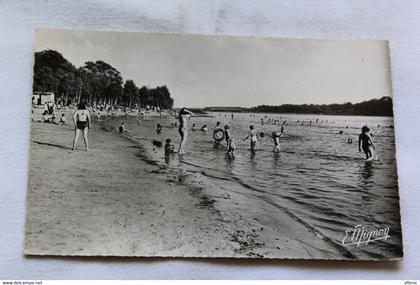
318, 176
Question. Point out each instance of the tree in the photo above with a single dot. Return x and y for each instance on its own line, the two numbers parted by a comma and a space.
143, 96
106, 84
44, 80
52, 72
374, 107
95, 82
130, 93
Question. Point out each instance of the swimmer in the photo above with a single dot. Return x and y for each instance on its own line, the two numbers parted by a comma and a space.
204, 128
81, 121
193, 128
252, 134
350, 140
276, 138
366, 142
183, 130
169, 148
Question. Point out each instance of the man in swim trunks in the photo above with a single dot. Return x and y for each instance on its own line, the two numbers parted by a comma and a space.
365, 140
252, 134
81, 121
183, 129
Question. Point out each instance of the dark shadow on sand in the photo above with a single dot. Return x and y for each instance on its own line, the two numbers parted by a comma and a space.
54, 145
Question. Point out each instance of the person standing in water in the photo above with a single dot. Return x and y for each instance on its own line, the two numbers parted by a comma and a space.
216, 130
366, 142
183, 129
81, 121
169, 148
276, 138
252, 134
230, 151
158, 128
227, 136
218, 127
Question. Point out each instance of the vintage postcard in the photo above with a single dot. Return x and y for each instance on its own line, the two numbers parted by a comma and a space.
178, 145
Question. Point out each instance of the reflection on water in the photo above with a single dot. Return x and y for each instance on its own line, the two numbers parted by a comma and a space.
366, 174
276, 160
317, 175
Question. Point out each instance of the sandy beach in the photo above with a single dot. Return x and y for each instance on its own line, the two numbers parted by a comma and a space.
115, 201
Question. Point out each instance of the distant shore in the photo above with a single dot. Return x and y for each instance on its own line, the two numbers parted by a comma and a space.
376, 107
117, 201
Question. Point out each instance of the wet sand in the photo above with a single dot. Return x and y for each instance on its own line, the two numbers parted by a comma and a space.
115, 201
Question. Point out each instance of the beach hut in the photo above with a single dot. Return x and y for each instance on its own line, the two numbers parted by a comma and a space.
40, 98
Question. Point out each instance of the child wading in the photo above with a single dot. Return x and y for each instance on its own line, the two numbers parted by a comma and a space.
252, 134
231, 147
276, 138
169, 148
365, 140
158, 128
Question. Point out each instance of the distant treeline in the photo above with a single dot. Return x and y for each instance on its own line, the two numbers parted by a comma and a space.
374, 107
95, 82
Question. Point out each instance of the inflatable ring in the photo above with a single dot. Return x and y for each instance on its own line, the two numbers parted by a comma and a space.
218, 135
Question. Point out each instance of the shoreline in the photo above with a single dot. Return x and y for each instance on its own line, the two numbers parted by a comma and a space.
125, 204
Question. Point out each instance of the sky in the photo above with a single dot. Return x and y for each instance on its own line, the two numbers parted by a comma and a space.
209, 70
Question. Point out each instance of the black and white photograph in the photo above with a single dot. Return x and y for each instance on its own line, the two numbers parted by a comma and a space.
211, 146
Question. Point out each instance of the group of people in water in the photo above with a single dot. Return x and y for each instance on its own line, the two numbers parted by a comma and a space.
220, 134
82, 124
